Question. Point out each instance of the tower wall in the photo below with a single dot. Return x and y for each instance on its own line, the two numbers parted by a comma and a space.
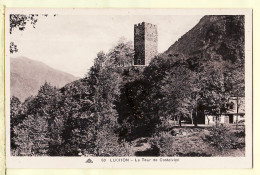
139, 44
145, 43
151, 42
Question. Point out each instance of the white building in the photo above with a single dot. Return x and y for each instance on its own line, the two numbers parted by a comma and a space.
233, 114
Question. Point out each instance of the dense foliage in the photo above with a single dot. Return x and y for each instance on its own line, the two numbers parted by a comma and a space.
117, 102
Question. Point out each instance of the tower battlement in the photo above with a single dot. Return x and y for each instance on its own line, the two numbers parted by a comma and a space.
145, 43
145, 23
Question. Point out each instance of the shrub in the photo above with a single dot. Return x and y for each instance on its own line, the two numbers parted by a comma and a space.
164, 141
223, 138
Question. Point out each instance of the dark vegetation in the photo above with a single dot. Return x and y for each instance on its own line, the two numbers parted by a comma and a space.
224, 138
115, 105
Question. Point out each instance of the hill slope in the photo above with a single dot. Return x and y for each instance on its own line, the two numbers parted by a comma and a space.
28, 75
213, 36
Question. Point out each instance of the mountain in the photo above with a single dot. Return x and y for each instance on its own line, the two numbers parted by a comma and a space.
217, 42
28, 75
215, 36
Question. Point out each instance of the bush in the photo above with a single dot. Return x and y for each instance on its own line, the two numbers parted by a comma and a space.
164, 141
223, 138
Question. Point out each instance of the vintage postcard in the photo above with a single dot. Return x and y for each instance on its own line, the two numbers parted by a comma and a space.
128, 88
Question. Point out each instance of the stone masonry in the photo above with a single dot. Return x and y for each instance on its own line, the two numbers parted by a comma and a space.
145, 43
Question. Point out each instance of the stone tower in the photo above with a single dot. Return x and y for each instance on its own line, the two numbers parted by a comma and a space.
145, 43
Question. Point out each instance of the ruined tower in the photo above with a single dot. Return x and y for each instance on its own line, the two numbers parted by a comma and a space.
145, 43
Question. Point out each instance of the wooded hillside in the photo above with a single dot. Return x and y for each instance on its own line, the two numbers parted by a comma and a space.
114, 105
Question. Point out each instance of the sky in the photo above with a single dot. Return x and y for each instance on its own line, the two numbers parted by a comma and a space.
71, 42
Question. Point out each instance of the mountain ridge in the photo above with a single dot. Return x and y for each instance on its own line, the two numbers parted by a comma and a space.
218, 35
27, 75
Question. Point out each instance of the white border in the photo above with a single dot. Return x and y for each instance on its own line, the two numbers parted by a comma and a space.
178, 162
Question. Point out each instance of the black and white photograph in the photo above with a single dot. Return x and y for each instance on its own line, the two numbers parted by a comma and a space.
129, 88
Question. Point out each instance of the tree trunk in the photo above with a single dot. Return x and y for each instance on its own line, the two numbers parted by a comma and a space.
175, 121
196, 118
216, 120
180, 121
191, 117
237, 115
195, 121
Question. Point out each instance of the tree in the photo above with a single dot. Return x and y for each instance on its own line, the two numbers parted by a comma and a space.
176, 87
235, 82
104, 81
106, 93
214, 94
13, 48
32, 136
15, 118
40, 129
137, 116
20, 21
14, 104
122, 54
78, 123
